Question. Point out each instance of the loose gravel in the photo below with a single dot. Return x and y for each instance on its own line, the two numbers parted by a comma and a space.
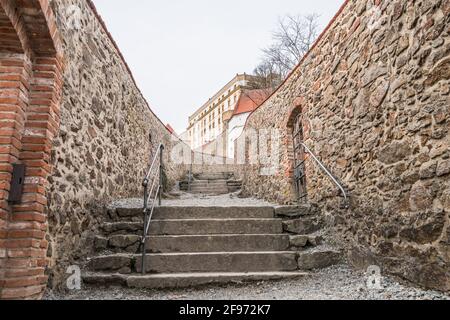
191, 200
335, 283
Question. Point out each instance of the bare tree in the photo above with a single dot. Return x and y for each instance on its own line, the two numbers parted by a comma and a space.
266, 77
292, 39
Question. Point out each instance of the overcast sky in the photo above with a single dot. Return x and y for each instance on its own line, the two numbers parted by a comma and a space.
182, 51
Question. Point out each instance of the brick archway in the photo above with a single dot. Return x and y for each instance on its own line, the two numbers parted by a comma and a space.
297, 108
30, 90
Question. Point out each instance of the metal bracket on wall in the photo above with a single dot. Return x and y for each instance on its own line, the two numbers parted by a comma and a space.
17, 182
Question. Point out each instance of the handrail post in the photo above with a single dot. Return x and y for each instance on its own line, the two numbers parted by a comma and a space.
161, 151
144, 235
190, 173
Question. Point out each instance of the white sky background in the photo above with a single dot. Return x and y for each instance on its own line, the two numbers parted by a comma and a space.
182, 51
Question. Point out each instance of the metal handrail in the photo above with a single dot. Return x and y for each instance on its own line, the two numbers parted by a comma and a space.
149, 172
190, 175
148, 212
322, 166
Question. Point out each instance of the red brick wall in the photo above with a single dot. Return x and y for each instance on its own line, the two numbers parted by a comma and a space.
30, 86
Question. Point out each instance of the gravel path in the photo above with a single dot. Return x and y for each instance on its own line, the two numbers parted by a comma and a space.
185, 199
335, 283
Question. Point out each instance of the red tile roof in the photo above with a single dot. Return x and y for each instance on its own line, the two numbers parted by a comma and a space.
250, 100
169, 127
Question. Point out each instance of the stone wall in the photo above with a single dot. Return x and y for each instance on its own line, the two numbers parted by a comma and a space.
103, 147
184, 160
374, 95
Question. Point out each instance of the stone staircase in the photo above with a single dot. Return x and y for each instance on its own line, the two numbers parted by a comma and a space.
212, 184
191, 246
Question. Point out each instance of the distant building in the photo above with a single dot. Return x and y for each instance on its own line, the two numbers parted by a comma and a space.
247, 103
209, 122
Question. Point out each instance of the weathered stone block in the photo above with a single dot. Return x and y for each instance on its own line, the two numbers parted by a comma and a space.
100, 243
445, 199
294, 211
318, 260
440, 72
372, 74
395, 152
379, 94
301, 226
123, 241
428, 170
443, 168
421, 198
112, 263
304, 240
298, 241
427, 233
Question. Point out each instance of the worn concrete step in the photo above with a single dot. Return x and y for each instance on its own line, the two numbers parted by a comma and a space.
198, 226
212, 188
207, 243
209, 182
216, 243
185, 280
219, 262
210, 192
208, 185
197, 262
213, 176
162, 213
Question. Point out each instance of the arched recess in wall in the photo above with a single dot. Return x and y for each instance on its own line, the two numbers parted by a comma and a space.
296, 164
30, 90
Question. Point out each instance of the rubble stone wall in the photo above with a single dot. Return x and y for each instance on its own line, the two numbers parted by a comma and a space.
374, 95
107, 137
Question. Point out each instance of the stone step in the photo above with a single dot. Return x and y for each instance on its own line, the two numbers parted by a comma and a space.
185, 280
216, 243
208, 185
209, 182
198, 227
162, 213
207, 243
210, 189
197, 262
213, 176
210, 192
219, 262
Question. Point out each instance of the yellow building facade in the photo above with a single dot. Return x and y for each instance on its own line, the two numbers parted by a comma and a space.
209, 121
